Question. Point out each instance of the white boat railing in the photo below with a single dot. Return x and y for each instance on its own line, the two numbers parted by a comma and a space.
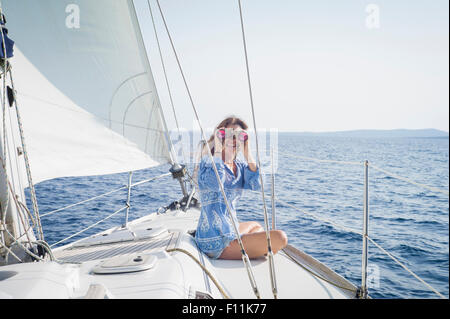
363, 289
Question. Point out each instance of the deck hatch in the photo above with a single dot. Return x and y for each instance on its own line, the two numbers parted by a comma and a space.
126, 263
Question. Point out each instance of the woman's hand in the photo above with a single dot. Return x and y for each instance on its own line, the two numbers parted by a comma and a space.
248, 155
214, 145
217, 144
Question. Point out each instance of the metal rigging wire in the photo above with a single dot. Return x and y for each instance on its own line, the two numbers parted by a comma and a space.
266, 221
245, 258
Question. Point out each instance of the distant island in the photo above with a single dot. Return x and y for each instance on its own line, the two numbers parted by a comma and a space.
425, 133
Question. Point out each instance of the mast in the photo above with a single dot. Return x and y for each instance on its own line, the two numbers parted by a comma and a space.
16, 233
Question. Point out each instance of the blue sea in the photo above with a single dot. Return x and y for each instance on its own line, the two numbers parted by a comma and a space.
410, 222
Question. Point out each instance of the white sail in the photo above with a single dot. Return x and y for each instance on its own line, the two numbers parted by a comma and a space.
85, 90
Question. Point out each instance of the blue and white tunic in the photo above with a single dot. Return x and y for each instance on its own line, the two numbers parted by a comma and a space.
215, 230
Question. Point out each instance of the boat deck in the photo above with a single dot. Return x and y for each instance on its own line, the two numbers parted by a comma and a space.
140, 262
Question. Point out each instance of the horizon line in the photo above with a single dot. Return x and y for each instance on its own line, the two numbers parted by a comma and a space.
348, 130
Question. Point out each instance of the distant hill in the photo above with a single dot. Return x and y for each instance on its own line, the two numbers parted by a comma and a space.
429, 133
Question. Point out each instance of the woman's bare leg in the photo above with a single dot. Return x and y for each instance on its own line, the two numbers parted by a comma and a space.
255, 244
250, 227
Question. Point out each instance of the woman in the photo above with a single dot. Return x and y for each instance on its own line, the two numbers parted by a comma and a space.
215, 233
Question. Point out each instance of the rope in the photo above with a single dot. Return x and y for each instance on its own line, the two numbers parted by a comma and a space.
222, 291
6, 69
433, 189
245, 258
3, 156
2, 241
30, 242
19, 213
27, 162
266, 221
11, 139
18, 243
47, 248
9, 251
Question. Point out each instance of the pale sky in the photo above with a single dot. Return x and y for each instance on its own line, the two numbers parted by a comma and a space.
321, 65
